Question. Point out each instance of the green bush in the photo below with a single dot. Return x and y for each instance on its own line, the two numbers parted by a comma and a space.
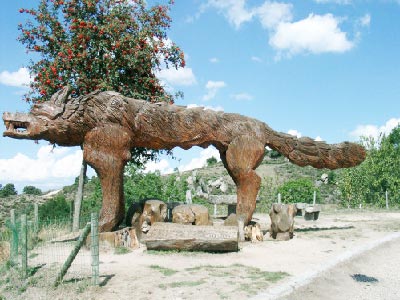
56, 208
298, 190
8, 190
212, 161
31, 190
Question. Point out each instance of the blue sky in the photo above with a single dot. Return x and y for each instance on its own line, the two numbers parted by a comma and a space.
327, 69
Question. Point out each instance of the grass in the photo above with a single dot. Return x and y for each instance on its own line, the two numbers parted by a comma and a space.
121, 250
163, 270
181, 284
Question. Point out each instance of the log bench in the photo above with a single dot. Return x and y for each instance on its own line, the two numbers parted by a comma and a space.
172, 236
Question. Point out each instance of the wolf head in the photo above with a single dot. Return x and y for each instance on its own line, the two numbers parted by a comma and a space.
44, 121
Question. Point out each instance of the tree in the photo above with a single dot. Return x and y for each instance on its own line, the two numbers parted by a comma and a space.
298, 190
380, 172
211, 161
31, 190
8, 190
100, 45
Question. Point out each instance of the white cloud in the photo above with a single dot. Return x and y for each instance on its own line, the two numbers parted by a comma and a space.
233, 10
346, 2
20, 78
256, 59
374, 130
215, 108
214, 60
51, 168
294, 132
365, 21
162, 166
212, 89
199, 162
242, 97
271, 14
181, 76
315, 34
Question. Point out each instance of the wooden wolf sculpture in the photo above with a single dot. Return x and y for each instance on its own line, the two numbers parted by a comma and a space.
108, 125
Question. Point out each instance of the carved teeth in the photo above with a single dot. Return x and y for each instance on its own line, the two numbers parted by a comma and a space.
16, 127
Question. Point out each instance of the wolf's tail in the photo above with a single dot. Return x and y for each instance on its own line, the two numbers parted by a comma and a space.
306, 151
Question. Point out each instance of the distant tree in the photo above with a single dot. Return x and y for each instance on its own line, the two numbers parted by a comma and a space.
274, 154
211, 161
8, 190
380, 172
31, 190
298, 190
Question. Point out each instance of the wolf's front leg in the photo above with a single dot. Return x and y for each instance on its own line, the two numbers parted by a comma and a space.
107, 150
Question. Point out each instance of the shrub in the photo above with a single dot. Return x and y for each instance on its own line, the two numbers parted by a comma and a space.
298, 190
31, 190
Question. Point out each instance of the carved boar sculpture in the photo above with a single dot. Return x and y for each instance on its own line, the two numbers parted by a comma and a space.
108, 125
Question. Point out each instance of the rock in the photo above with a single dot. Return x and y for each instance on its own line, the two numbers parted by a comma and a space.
194, 214
188, 197
223, 187
324, 178
282, 220
231, 220
190, 181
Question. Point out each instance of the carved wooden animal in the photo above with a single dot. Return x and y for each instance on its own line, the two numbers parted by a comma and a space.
108, 125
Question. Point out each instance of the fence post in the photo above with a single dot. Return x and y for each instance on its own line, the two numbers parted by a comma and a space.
279, 198
14, 238
71, 214
36, 220
314, 198
24, 246
94, 248
387, 199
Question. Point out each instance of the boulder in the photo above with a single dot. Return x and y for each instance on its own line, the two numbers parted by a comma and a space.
194, 214
282, 221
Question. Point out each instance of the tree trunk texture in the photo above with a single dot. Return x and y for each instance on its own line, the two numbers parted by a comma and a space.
108, 125
171, 236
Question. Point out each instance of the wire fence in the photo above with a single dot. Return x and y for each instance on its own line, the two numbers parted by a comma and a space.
48, 252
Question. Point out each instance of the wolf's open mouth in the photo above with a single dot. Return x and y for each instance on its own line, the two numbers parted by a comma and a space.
17, 127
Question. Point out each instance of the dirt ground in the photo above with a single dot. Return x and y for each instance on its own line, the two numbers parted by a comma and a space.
142, 274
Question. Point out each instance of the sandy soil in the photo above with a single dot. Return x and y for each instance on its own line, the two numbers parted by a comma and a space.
143, 274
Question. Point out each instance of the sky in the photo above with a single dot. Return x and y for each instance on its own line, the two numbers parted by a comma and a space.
326, 69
